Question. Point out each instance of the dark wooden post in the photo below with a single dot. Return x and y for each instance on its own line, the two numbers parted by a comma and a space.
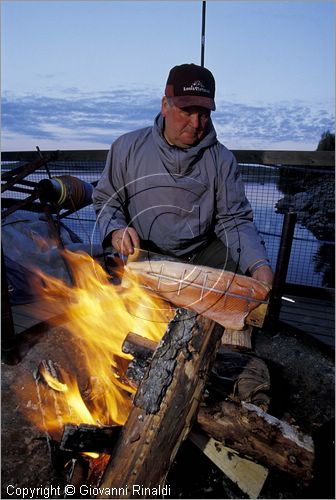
281, 268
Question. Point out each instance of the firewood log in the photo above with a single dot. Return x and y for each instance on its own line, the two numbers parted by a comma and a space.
247, 429
254, 433
164, 408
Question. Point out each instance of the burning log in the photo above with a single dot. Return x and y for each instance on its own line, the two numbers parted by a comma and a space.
252, 432
139, 347
73, 448
142, 350
164, 407
238, 375
89, 438
49, 382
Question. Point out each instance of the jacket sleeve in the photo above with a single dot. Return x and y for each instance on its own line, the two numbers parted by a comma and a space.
234, 217
110, 195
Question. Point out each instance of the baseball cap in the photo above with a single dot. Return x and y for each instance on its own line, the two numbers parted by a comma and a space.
191, 85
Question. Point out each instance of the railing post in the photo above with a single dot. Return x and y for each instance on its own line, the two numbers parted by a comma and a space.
9, 346
281, 269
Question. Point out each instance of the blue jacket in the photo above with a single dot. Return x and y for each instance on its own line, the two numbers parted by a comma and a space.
177, 199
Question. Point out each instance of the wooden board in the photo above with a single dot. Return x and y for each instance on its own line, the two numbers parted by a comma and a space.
263, 157
249, 476
313, 316
26, 316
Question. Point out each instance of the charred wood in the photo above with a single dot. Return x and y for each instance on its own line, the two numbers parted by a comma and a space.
165, 404
138, 346
142, 349
89, 438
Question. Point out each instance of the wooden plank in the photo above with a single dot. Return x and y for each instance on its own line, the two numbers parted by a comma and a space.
323, 330
29, 315
19, 329
39, 314
315, 329
310, 315
249, 476
294, 158
35, 314
305, 303
263, 157
307, 326
23, 320
26, 313
66, 155
37, 305
318, 316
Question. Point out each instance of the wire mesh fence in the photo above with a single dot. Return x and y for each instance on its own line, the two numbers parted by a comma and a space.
271, 190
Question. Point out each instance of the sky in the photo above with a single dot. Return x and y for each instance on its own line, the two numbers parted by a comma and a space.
78, 74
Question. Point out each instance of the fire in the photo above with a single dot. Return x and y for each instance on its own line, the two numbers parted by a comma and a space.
98, 316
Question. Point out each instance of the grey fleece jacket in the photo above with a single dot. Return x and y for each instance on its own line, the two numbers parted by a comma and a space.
176, 199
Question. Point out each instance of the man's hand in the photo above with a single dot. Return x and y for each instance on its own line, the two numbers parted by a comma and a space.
124, 240
264, 274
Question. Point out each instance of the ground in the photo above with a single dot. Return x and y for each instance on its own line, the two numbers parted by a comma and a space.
302, 375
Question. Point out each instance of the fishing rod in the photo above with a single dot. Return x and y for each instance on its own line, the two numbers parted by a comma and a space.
203, 32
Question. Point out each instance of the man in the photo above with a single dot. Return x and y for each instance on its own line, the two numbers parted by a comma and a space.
175, 189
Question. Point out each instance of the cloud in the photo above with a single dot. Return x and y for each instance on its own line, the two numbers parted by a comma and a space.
80, 120
272, 125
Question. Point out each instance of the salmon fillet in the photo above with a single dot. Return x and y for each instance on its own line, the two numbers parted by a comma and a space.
223, 296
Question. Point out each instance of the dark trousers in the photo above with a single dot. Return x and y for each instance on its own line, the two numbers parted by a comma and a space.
216, 255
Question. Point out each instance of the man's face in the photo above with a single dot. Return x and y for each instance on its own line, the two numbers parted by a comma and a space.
184, 127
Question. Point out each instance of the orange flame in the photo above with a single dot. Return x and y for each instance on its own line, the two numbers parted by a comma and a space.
98, 316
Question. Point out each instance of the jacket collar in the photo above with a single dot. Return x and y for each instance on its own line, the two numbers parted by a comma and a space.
179, 160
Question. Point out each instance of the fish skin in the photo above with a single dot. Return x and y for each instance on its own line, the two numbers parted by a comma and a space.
223, 296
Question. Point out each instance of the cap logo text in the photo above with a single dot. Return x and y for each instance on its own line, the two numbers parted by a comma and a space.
196, 86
